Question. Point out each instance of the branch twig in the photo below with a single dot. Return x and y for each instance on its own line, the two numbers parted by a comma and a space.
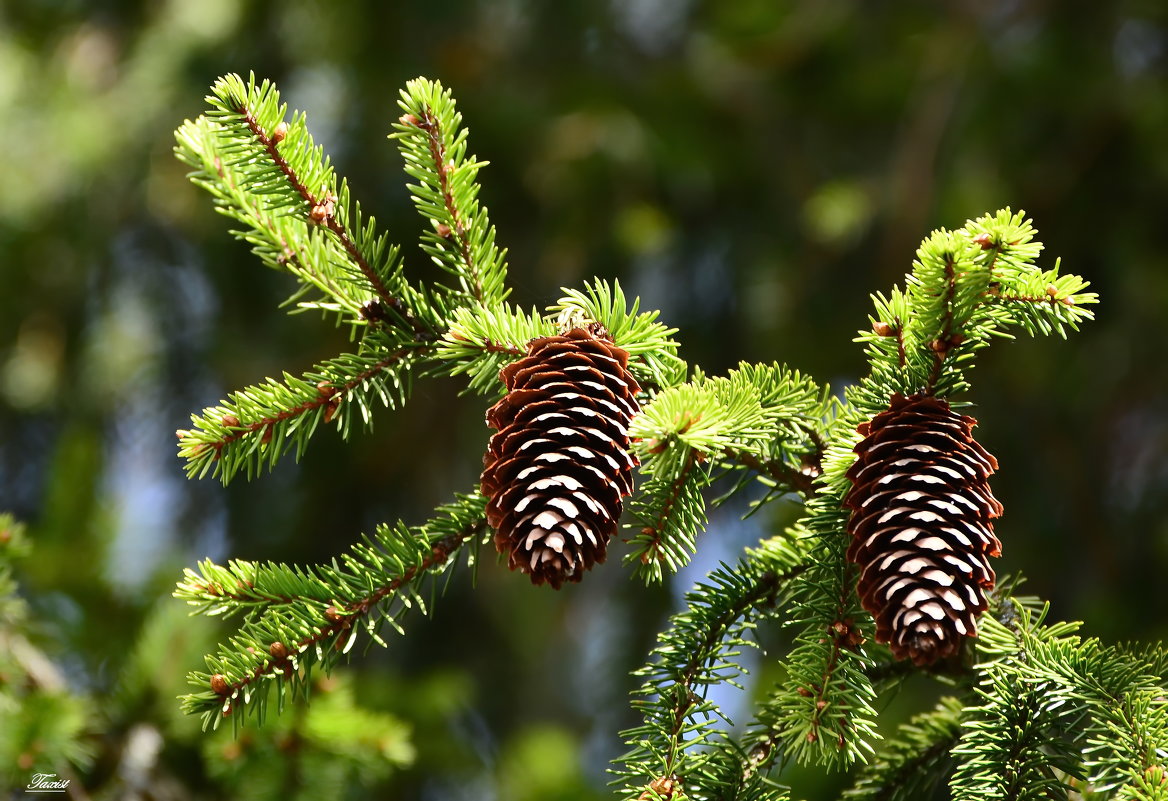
323, 212
341, 618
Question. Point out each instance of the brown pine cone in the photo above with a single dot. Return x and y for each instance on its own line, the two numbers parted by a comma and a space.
558, 468
920, 526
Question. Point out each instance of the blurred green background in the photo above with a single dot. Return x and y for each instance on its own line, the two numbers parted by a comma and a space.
753, 168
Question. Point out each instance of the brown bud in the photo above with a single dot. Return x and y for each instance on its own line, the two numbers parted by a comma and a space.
326, 388
883, 329
938, 346
278, 650
230, 421
812, 737
994, 289
443, 230
803, 691
410, 119
821, 705
182, 432
984, 240
334, 614
664, 787
325, 209
330, 409
280, 132
220, 685
372, 310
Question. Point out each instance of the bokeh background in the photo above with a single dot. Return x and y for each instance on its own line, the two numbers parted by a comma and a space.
752, 168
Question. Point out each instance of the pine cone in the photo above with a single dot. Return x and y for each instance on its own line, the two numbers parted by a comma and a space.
920, 525
559, 466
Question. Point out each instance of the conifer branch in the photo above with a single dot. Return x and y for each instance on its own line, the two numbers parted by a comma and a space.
677, 738
763, 417
823, 710
482, 342
265, 172
338, 619
461, 239
442, 168
296, 620
260, 424
801, 481
916, 761
669, 514
1051, 709
322, 211
1053, 700
652, 350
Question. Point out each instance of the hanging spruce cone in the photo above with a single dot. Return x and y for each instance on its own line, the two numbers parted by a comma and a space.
559, 466
920, 525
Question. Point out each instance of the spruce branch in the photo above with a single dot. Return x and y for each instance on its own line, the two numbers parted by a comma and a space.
967, 287
780, 473
914, 763
678, 739
266, 173
1051, 710
481, 342
321, 204
1053, 700
296, 620
461, 239
922, 338
1014, 746
652, 350
260, 424
823, 711
669, 514
766, 418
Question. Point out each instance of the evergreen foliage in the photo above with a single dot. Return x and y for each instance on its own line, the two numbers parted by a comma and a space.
42, 722
48, 726
1035, 710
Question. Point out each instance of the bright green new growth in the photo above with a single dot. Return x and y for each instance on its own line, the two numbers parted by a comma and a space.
1093, 714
